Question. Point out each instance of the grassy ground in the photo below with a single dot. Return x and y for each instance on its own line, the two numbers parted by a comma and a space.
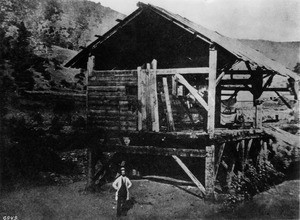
150, 200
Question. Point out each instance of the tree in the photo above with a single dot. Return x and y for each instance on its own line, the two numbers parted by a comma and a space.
53, 30
297, 68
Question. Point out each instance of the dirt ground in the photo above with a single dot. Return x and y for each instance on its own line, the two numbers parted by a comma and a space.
149, 200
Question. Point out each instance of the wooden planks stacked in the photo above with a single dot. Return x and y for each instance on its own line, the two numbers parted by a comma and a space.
111, 103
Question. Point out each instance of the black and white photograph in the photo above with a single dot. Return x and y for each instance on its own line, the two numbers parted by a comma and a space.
149, 109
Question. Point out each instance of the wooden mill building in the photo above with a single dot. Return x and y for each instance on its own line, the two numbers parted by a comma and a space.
157, 78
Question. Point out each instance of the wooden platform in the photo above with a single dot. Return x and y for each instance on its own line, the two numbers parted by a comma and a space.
184, 143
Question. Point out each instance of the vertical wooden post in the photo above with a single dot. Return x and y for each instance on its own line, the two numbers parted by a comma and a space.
210, 170
242, 153
143, 87
140, 98
148, 99
153, 97
266, 151
230, 172
258, 114
174, 86
248, 150
212, 90
297, 101
168, 105
218, 106
91, 167
219, 159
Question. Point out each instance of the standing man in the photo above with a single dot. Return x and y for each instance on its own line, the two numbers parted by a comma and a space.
121, 184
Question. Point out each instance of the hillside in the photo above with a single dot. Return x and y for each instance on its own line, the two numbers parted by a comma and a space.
38, 36
90, 18
286, 53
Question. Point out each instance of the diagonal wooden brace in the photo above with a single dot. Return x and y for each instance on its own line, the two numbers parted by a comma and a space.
192, 90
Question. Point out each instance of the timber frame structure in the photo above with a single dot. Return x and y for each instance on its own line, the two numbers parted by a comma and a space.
133, 100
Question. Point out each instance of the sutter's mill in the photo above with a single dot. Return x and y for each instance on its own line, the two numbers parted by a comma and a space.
159, 77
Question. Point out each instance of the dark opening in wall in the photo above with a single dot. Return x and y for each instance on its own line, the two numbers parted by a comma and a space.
131, 90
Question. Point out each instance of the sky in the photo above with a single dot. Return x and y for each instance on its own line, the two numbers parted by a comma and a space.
276, 20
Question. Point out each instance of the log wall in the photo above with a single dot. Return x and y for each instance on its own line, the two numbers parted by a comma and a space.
112, 100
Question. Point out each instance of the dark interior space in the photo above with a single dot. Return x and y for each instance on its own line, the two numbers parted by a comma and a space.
148, 37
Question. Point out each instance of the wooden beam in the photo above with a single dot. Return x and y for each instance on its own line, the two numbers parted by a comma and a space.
153, 96
283, 100
242, 153
168, 105
198, 70
268, 83
258, 114
239, 72
230, 172
140, 99
152, 150
174, 86
99, 36
90, 68
282, 135
224, 164
180, 98
148, 99
212, 90
235, 82
220, 77
190, 174
243, 88
210, 170
219, 159
248, 66
249, 145
192, 90
257, 85
297, 100
91, 167
266, 151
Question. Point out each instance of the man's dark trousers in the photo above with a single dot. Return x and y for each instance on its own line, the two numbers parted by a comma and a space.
122, 196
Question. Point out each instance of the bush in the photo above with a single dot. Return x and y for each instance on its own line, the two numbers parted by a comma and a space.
255, 179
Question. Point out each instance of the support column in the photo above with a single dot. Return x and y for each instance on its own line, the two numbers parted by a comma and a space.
297, 101
212, 90
91, 170
258, 114
218, 107
140, 93
91, 167
171, 126
153, 97
210, 171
